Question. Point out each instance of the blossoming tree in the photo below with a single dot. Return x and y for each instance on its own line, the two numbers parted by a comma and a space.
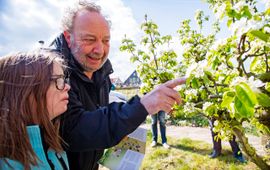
156, 63
229, 78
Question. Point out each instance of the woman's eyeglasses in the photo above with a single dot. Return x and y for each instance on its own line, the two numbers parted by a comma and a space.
60, 81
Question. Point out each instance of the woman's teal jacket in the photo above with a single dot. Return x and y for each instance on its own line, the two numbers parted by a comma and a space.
47, 159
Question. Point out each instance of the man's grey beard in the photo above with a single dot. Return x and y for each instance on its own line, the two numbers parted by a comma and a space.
82, 63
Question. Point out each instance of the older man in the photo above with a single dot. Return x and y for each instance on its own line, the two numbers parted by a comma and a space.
91, 123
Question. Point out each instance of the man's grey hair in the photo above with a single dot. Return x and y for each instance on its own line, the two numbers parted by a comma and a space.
72, 10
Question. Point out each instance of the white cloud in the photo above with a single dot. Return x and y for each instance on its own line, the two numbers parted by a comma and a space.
122, 19
123, 23
27, 22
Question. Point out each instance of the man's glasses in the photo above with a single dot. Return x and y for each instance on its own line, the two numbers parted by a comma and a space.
60, 81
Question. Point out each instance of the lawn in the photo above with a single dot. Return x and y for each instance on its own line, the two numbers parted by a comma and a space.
187, 154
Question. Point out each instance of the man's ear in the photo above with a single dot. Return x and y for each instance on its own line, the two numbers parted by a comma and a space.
67, 36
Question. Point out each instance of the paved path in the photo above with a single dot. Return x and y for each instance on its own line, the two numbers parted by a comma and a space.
203, 134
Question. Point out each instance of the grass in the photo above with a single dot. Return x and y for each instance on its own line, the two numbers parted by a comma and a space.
187, 154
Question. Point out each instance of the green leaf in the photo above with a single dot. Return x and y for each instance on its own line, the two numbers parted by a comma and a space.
134, 59
208, 73
265, 77
189, 80
263, 99
211, 110
267, 86
194, 83
259, 34
206, 79
267, 12
227, 99
245, 94
253, 64
204, 95
242, 110
246, 13
231, 13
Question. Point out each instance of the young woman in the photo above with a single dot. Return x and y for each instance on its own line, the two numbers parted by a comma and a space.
33, 93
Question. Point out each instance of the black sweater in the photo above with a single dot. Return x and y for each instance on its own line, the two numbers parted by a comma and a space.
91, 124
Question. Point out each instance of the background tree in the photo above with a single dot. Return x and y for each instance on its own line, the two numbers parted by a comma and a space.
155, 66
228, 79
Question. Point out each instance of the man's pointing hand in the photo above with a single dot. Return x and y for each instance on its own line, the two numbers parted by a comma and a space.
163, 97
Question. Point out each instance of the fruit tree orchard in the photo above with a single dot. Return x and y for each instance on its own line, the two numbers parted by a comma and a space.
228, 79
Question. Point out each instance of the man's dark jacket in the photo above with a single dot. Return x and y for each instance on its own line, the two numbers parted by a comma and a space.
91, 124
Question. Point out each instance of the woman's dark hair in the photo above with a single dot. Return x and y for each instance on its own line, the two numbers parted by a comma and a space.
24, 81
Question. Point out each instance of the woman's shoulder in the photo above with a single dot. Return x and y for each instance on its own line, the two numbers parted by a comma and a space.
7, 164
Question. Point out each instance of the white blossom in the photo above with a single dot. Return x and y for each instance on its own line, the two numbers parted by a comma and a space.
199, 73
257, 44
202, 65
222, 66
191, 92
219, 10
239, 26
255, 25
238, 80
197, 69
216, 123
255, 84
233, 71
222, 133
218, 43
206, 105
239, 5
220, 79
190, 69
244, 25
189, 108
232, 110
267, 29
251, 82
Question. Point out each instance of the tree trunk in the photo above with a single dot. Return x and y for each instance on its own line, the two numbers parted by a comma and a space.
265, 140
249, 150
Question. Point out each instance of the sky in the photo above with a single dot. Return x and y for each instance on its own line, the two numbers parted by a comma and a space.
23, 23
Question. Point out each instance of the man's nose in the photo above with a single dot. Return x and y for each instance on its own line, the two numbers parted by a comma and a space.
99, 47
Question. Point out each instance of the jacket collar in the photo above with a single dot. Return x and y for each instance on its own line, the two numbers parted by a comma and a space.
35, 136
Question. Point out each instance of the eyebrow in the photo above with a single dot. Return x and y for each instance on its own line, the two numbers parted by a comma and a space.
82, 35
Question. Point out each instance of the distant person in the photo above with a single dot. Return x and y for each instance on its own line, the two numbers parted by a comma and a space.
159, 117
91, 124
217, 145
33, 93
